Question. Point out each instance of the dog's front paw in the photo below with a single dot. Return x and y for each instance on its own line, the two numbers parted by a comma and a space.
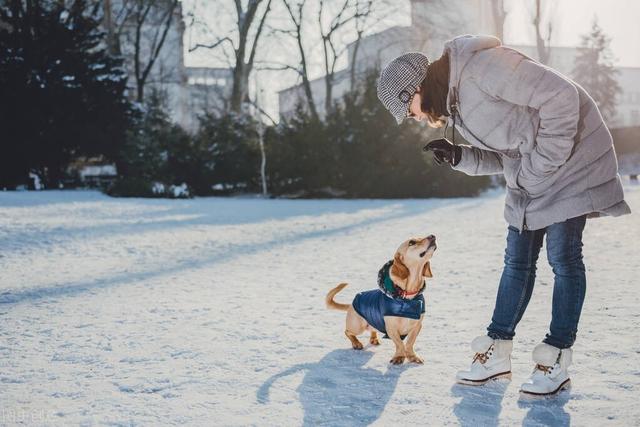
374, 341
414, 358
397, 360
357, 345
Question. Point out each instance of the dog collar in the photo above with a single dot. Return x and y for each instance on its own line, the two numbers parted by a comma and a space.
390, 289
405, 293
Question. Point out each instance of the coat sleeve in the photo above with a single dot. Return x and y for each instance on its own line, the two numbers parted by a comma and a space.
475, 161
514, 78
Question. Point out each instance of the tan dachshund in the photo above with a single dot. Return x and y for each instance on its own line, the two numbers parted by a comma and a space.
397, 307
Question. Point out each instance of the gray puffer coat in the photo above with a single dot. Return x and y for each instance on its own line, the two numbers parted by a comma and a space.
538, 128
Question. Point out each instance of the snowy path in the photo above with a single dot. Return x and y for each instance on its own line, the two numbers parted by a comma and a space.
210, 312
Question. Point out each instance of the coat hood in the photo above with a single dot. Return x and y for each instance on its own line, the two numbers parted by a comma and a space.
460, 50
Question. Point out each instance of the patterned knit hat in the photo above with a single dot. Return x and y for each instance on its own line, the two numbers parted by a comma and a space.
399, 80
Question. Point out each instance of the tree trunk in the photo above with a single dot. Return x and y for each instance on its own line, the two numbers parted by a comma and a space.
244, 64
142, 71
140, 90
238, 90
306, 84
108, 23
328, 101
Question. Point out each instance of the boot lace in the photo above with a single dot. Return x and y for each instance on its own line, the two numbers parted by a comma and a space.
483, 357
545, 369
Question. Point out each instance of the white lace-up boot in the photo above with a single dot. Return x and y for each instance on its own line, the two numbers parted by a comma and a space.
550, 374
492, 360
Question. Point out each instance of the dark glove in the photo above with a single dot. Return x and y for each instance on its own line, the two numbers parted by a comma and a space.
444, 151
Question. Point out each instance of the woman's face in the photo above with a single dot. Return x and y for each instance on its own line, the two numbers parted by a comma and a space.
416, 113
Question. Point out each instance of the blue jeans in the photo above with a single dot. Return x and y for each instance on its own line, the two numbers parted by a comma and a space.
564, 253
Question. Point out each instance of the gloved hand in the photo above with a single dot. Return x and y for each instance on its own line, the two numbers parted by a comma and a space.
444, 151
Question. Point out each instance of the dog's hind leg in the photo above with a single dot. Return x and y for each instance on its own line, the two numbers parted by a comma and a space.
374, 338
355, 342
355, 325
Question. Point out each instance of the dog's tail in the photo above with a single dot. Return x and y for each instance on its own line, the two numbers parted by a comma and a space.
336, 305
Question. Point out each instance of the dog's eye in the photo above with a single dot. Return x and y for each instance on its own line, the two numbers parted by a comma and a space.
412, 242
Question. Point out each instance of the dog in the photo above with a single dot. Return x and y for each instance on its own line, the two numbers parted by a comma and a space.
396, 308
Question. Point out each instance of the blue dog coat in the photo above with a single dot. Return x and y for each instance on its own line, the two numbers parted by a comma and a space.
374, 305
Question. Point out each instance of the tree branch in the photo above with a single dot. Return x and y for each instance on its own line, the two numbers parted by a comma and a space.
278, 67
156, 52
257, 36
213, 45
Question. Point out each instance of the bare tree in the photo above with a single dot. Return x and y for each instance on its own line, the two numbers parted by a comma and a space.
108, 23
260, 114
115, 19
363, 8
152, 23
543, 44
369, 14
334, 20
347, 12
248, 28
296, 13
329, 26
261, 132
147, 22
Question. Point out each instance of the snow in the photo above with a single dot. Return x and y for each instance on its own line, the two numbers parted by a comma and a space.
37, 184
178, 191
157, 188
629, 163
181, 190
210, 311
97, 170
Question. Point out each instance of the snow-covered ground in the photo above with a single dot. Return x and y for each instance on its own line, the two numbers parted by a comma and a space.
211, 312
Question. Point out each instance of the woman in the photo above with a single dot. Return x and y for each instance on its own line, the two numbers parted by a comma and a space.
546, 135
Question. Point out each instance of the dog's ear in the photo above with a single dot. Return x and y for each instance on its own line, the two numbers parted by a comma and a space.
398, 268
426, 270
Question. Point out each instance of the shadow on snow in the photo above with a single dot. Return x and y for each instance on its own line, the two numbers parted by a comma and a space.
339, 390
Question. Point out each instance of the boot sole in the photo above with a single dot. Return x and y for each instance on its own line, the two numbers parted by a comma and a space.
562, 386
485, 380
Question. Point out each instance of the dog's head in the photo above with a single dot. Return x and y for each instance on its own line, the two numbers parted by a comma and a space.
413, 259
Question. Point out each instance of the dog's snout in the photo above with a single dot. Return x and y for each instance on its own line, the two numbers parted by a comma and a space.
431, 237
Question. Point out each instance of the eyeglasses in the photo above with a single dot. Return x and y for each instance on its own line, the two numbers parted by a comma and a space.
409, 113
